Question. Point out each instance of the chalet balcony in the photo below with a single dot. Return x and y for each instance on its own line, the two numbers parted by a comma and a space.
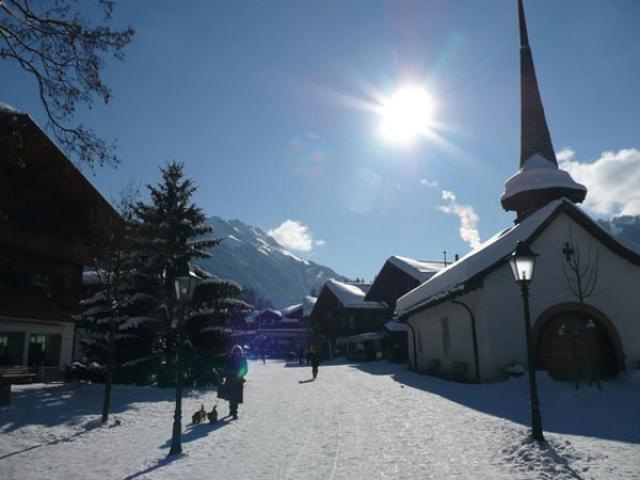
34, 303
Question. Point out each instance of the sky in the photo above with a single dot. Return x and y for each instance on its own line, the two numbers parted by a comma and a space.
273, 107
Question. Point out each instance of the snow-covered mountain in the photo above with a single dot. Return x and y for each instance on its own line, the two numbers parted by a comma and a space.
254, 259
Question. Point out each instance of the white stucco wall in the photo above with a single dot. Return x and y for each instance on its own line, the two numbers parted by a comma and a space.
65, 329
499, 311
618, 293
428, 326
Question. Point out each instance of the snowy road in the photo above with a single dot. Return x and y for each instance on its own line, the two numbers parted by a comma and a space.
374, 421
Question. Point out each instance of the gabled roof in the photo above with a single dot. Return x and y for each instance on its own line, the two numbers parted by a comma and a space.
286, 311
466, 274
421, 270
351, 295
307, 305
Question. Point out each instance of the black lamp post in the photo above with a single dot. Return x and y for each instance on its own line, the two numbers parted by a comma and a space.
523, 262
185, 288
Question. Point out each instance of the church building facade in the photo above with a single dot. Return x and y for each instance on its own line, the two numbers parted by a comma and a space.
467, 320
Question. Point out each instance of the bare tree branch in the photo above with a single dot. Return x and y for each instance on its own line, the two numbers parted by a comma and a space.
64, 53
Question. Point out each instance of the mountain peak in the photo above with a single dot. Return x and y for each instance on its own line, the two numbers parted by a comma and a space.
254, 259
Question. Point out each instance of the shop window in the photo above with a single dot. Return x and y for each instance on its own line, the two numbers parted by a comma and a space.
44, 349
11, 348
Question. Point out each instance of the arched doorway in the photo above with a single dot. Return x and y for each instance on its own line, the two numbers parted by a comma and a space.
575, 341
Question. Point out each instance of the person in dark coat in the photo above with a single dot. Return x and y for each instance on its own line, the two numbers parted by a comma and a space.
314, 358
235, 369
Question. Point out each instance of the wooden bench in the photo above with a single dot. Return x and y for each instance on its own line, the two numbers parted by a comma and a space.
12, 376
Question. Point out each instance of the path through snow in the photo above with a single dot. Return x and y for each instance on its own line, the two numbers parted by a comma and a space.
373, 421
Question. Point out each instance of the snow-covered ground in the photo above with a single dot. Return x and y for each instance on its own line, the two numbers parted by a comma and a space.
374, 420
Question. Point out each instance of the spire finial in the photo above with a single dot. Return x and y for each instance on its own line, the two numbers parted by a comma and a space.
524, 37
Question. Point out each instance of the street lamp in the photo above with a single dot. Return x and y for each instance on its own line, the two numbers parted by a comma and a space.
523, 263
185, 288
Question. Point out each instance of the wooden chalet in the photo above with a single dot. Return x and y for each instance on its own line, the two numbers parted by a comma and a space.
341, 312
398, 276
47, 208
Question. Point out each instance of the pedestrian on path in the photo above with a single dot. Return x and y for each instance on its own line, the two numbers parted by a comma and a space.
314, 358
235, 369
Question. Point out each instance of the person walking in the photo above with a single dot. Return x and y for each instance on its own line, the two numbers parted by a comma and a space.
314, 359
235, 369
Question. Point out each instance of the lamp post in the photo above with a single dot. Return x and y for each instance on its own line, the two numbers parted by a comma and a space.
523, 262
185, 288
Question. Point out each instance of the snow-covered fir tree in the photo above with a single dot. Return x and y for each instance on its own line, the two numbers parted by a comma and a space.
172, 233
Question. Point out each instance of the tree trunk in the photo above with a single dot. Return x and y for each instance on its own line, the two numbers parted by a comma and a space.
111, 352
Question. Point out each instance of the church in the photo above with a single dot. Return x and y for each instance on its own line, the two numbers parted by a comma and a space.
467, 321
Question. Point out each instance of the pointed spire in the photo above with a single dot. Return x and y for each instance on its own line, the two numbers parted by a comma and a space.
535, 136
539, 180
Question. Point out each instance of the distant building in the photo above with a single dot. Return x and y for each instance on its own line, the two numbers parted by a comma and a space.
341, 312
47, 208
281, 332
398, 276
467, 319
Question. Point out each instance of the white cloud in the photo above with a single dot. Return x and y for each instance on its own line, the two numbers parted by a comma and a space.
293, 235
467, 215
429, 183
612, 180
320, 243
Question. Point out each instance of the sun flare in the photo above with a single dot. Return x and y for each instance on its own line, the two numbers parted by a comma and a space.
406, 115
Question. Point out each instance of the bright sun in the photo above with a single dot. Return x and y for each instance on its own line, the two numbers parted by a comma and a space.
406, 115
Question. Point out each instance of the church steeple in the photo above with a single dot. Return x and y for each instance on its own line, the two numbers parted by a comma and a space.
539, 179
535, 136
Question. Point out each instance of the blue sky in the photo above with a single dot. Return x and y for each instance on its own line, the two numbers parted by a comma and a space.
262, 101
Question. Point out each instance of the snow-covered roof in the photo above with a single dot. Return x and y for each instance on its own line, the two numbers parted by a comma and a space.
395, 326
362, 337
286, 311
538, 173
307, 305
5, 107
351, 295
456, 278
421, 270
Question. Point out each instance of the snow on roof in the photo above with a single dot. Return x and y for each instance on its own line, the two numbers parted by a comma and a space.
452, 279
421, 270
539, 173
307, 305
290, 309
395, 326
5, 107
351, 295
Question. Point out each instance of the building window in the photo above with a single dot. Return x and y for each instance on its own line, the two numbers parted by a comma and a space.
11, 348
446, 337
44, 349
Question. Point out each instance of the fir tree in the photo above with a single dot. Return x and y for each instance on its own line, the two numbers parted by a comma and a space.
173, 233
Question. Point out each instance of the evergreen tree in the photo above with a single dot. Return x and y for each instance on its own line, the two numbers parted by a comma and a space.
173, 233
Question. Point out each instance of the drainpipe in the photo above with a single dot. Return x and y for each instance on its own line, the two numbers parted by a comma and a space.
473, 336
415, 351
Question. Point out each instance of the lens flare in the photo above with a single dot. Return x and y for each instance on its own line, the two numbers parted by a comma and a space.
406, 115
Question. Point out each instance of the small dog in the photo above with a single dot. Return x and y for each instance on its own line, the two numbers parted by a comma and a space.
213, 415
199, 416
